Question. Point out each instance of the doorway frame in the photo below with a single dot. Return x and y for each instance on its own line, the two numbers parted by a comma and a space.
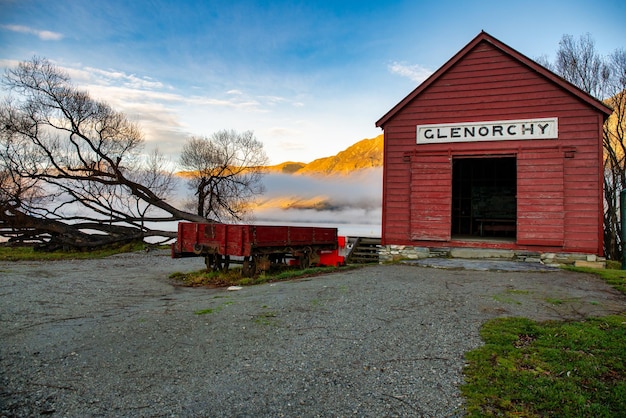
500, 220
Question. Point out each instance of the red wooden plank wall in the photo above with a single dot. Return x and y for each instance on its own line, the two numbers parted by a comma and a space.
559, 198
540, 215
396, 187
582, 208
431, 200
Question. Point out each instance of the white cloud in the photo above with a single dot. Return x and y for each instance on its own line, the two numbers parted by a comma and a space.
113, 78
292, 146
44, 35
272, 100
249, 104
129, 80
118, 88
167, 116
280, 131
249, 101
8, 63
415, 72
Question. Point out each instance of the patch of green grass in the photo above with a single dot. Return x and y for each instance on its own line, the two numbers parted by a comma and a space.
205, 311
614, 265
555, 301
215, 309
564, 369
266, 318
309, 272
233, 277
8, 253
518, 292
506, 299
613, 276
208, 278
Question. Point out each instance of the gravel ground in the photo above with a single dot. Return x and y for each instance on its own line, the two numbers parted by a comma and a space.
114, 337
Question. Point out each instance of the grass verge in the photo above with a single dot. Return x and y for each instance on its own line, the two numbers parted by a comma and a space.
614, 277
29, 254
537, 369
233, 277
560, 369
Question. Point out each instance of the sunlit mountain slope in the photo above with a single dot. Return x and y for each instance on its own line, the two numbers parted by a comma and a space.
366, 153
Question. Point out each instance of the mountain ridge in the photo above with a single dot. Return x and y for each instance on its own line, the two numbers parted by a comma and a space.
366, 153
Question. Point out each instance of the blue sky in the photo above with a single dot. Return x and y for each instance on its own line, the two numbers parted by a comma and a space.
309, 78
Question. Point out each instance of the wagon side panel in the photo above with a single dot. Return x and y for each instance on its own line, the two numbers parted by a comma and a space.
189, 236
249, 240
292, 236
262, 236
236, 240
313, 236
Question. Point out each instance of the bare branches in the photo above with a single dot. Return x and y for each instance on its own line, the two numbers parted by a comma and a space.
74, 161
225, 173
614, 141
604, 78
580, 64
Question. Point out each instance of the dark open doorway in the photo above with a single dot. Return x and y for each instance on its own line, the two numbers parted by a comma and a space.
484, 197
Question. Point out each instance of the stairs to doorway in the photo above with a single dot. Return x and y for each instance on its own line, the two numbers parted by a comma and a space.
363, 250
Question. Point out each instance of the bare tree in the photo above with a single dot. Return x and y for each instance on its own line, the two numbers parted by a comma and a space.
604, 78
71, 172
225, 172
614, 140
580, 64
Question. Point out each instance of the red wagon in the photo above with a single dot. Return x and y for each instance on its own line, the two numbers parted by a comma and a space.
257, 247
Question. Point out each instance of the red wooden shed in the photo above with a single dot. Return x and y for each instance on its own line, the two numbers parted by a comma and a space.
494, 151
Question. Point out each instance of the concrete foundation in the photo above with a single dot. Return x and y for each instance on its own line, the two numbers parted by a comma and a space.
391, 253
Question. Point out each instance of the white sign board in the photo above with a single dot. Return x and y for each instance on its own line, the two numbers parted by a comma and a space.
547, 128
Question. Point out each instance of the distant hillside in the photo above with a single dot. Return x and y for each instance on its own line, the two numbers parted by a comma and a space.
366, 153
289, 167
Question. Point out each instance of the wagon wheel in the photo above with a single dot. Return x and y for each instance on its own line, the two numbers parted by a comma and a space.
221, 262
275, 259
248, 269
209, 261
305, 259
198, 249
215, 262
263, 262
226, 263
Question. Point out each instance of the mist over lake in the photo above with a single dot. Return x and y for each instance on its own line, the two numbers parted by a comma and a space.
352, 203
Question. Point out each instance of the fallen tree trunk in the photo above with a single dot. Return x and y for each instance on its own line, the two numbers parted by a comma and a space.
52, 235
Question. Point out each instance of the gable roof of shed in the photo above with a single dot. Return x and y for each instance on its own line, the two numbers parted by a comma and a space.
485, 37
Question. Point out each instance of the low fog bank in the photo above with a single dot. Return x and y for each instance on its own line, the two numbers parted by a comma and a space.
351, 203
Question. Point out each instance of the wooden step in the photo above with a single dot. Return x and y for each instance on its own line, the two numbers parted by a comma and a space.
364, 250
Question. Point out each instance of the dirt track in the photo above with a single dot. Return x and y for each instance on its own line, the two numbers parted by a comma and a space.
113, 337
